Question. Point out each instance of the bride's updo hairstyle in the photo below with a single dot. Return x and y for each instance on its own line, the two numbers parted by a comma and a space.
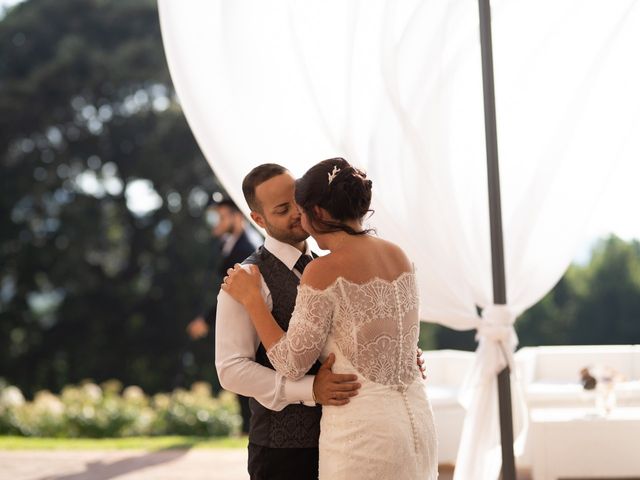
342, 190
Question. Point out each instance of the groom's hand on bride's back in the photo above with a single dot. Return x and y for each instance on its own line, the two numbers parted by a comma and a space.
333, 388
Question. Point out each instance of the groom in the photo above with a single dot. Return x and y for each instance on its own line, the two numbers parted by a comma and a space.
285, 421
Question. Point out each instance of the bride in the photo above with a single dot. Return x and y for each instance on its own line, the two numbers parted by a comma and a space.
360, 302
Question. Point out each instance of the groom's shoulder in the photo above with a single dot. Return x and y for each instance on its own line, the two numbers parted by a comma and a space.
255, 258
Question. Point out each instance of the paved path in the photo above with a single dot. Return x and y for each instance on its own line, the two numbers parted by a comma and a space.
124, 465
204, 464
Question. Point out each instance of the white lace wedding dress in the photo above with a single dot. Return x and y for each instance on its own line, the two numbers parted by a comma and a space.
387, 430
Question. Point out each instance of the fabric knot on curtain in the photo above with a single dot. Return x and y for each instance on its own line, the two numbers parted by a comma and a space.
497, 337
497, 343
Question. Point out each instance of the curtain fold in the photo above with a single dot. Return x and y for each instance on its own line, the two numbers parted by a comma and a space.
396, 88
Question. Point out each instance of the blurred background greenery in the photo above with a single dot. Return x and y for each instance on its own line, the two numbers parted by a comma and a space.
103, 186
98, 411
103, 247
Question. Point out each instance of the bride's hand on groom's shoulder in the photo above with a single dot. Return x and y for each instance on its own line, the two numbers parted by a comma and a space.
243, 284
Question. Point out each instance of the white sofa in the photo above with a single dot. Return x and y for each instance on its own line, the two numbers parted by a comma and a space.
446, 371
549, 376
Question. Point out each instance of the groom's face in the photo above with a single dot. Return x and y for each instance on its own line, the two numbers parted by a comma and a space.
278, 213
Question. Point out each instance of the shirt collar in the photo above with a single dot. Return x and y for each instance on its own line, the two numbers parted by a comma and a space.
287, 254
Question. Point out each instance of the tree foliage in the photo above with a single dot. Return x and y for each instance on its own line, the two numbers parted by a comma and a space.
597, 303
93, 284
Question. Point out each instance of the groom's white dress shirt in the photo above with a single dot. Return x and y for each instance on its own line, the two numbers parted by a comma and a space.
237, 342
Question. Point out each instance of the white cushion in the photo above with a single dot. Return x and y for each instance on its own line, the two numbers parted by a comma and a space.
447, 367
442, 396
563, 364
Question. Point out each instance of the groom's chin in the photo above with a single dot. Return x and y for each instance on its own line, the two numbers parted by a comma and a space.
300, 235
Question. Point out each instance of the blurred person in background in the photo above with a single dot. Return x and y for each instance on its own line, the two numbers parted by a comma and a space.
237, 240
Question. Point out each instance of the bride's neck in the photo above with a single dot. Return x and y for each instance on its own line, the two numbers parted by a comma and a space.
338, 240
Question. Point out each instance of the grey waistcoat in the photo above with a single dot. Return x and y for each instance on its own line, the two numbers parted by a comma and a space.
295, 426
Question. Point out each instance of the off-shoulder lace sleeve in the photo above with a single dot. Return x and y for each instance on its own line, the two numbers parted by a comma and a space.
297, 350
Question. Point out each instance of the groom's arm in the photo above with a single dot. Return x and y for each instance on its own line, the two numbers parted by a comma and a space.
236, 345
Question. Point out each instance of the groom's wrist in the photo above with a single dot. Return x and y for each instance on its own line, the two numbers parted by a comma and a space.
300, 391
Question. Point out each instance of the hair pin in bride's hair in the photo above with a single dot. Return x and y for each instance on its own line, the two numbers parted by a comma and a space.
333, 173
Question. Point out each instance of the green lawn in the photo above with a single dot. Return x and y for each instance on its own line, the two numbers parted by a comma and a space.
132, 443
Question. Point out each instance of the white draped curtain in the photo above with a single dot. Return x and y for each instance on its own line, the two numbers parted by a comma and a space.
395, 87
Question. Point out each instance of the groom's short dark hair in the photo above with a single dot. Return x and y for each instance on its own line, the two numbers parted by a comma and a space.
255, 177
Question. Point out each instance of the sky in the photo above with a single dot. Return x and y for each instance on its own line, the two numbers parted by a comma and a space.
618, 211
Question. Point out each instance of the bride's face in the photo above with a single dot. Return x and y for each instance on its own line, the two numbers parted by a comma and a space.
304, 221
307, 226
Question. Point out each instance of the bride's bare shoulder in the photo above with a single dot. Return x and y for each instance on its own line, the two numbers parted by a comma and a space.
396, 254
320, 273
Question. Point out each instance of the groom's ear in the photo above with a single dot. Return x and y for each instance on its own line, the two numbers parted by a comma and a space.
258, 218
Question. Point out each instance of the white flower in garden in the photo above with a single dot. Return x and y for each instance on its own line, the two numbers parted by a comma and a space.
93, 391
46, 401
201, 389
133, 392
88, 411
162, 401
11, 397
145, 417
71, 394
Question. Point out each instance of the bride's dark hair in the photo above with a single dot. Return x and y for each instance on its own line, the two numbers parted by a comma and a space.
346, 197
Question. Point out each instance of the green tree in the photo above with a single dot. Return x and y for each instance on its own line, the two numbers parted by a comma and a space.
598, 303
609, 310
93, 284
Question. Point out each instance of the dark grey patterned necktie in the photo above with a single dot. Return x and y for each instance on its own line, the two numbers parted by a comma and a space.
302, 262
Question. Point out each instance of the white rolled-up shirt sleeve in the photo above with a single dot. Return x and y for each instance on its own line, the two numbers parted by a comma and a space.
235, 350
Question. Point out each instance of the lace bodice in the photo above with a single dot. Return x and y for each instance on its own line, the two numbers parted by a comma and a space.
375, 325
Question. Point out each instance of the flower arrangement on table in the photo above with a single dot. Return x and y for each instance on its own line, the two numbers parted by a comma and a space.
602, 379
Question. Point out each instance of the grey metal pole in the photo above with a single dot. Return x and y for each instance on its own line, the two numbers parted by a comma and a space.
495, 215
